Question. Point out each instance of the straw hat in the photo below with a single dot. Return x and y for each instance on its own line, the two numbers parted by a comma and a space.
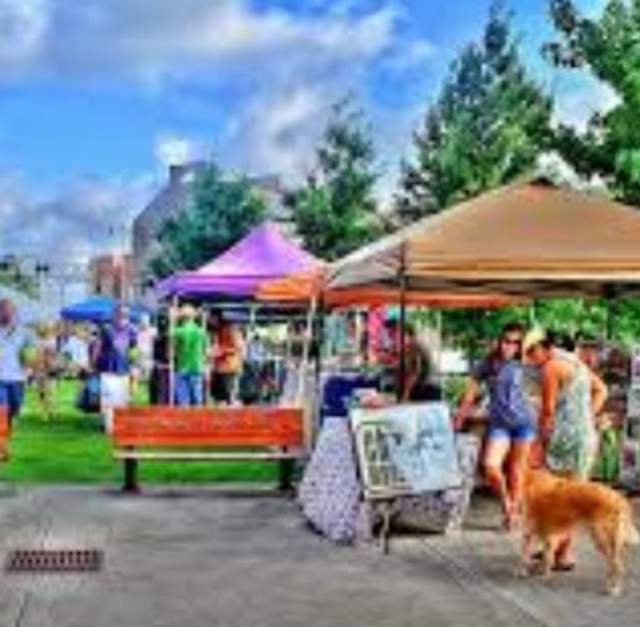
532, 338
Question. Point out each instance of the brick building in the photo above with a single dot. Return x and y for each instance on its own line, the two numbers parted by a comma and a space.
113, 275
174, 198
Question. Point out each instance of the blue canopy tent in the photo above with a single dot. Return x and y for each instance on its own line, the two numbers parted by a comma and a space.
98, 309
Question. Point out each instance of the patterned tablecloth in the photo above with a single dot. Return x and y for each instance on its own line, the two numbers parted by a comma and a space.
331, 495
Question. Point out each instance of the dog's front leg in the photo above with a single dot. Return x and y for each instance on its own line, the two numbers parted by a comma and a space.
524, 570
548, 555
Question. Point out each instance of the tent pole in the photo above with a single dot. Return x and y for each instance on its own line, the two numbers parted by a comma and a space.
611, 310
403, 314
306, 350
175, 303
317, 397
358, 323
440, 374
287, 345
204, 319
252, 319
533, 317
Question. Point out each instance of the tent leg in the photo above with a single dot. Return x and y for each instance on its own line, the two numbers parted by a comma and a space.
172, 370
402, 374
610, 319
306, 351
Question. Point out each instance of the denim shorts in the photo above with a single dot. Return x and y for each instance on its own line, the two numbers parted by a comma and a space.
517, 433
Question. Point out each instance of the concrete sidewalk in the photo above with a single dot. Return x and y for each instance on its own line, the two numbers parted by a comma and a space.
199, 558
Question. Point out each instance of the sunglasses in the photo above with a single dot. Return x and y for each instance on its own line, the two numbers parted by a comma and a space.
511, 342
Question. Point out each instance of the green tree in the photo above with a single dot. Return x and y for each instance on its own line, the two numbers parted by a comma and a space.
488, 126
221, 212
335, 211
607, 47
14, 277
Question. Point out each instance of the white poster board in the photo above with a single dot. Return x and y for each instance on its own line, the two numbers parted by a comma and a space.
406, 449
114, 392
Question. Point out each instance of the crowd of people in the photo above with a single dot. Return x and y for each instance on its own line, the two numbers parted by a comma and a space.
208, 355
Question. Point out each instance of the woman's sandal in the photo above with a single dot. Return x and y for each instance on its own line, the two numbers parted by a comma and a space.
558, 567
510, 519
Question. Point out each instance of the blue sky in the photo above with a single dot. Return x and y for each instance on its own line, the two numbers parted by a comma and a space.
98, 97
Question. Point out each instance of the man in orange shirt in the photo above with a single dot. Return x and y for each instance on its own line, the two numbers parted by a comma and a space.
227, 357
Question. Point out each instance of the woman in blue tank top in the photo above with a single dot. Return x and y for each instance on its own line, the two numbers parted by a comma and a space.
511, 429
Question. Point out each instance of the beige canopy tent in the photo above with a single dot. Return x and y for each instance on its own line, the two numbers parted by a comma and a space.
529, 238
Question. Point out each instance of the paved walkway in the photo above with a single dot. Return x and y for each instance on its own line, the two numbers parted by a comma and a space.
200, 558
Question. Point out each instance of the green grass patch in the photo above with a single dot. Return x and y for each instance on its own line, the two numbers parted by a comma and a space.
71, 448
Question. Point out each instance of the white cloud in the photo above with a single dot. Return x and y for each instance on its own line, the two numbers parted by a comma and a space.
553, 166
277, 132
578, 96
284, 70
86, 218
174, 149
411, 55
289, 66
149, 39
23, 26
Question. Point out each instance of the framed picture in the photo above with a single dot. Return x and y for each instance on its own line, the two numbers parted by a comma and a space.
406, 449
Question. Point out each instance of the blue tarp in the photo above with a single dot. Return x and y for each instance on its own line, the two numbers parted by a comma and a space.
98, 309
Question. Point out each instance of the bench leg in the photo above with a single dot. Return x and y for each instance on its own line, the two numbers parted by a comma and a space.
285, 476
131, 476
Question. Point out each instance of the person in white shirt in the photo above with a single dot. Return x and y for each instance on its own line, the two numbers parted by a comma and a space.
147, 334
16, 342
75, 350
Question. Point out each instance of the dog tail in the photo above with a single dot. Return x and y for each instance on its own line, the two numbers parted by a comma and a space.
629, 530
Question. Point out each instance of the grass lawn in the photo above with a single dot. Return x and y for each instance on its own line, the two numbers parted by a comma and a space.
71, 448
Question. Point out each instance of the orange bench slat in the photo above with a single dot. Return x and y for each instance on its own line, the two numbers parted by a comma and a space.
4, 424
208, 427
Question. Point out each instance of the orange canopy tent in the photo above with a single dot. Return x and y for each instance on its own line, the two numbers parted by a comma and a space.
307, 286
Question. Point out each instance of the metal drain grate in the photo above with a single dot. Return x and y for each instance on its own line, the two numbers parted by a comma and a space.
54, 561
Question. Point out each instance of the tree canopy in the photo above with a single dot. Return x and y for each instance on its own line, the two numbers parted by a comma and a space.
488, 125
335, 210
222, 210
607, 47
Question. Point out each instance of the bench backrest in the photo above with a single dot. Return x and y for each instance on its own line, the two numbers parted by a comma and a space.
208, 427
4, 424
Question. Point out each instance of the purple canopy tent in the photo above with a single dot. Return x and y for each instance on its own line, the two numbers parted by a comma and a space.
263, 255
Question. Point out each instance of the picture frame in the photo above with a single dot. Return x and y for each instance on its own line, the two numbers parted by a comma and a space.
406, 449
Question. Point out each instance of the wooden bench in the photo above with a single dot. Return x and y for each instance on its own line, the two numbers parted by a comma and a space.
203, 434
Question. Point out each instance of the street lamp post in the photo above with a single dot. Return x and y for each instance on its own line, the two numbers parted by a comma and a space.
42, 271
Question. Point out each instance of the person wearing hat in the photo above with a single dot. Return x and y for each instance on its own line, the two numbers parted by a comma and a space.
511, 429
572, 395
190, 346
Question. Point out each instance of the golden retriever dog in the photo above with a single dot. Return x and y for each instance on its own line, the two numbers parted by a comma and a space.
555, 507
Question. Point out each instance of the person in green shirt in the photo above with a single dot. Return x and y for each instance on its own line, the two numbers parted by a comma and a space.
190, 346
